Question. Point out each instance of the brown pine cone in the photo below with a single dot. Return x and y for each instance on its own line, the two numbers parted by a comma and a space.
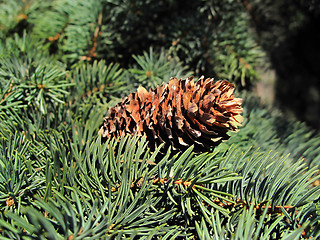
179, 114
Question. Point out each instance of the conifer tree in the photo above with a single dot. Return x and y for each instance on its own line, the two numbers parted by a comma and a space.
64, 64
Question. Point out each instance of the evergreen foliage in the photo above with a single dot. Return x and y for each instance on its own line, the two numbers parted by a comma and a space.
64, 63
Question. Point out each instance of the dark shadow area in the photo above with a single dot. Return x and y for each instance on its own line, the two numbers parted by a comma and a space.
297, 63
289, 32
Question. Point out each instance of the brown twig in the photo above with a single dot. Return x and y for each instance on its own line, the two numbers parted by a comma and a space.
247, 5
92, 52
241, 60
58, 35
8, 93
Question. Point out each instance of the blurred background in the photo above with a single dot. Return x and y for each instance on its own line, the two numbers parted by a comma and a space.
266, 47
288, 31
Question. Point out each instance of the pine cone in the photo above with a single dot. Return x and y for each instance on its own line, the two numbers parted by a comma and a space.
180, 113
